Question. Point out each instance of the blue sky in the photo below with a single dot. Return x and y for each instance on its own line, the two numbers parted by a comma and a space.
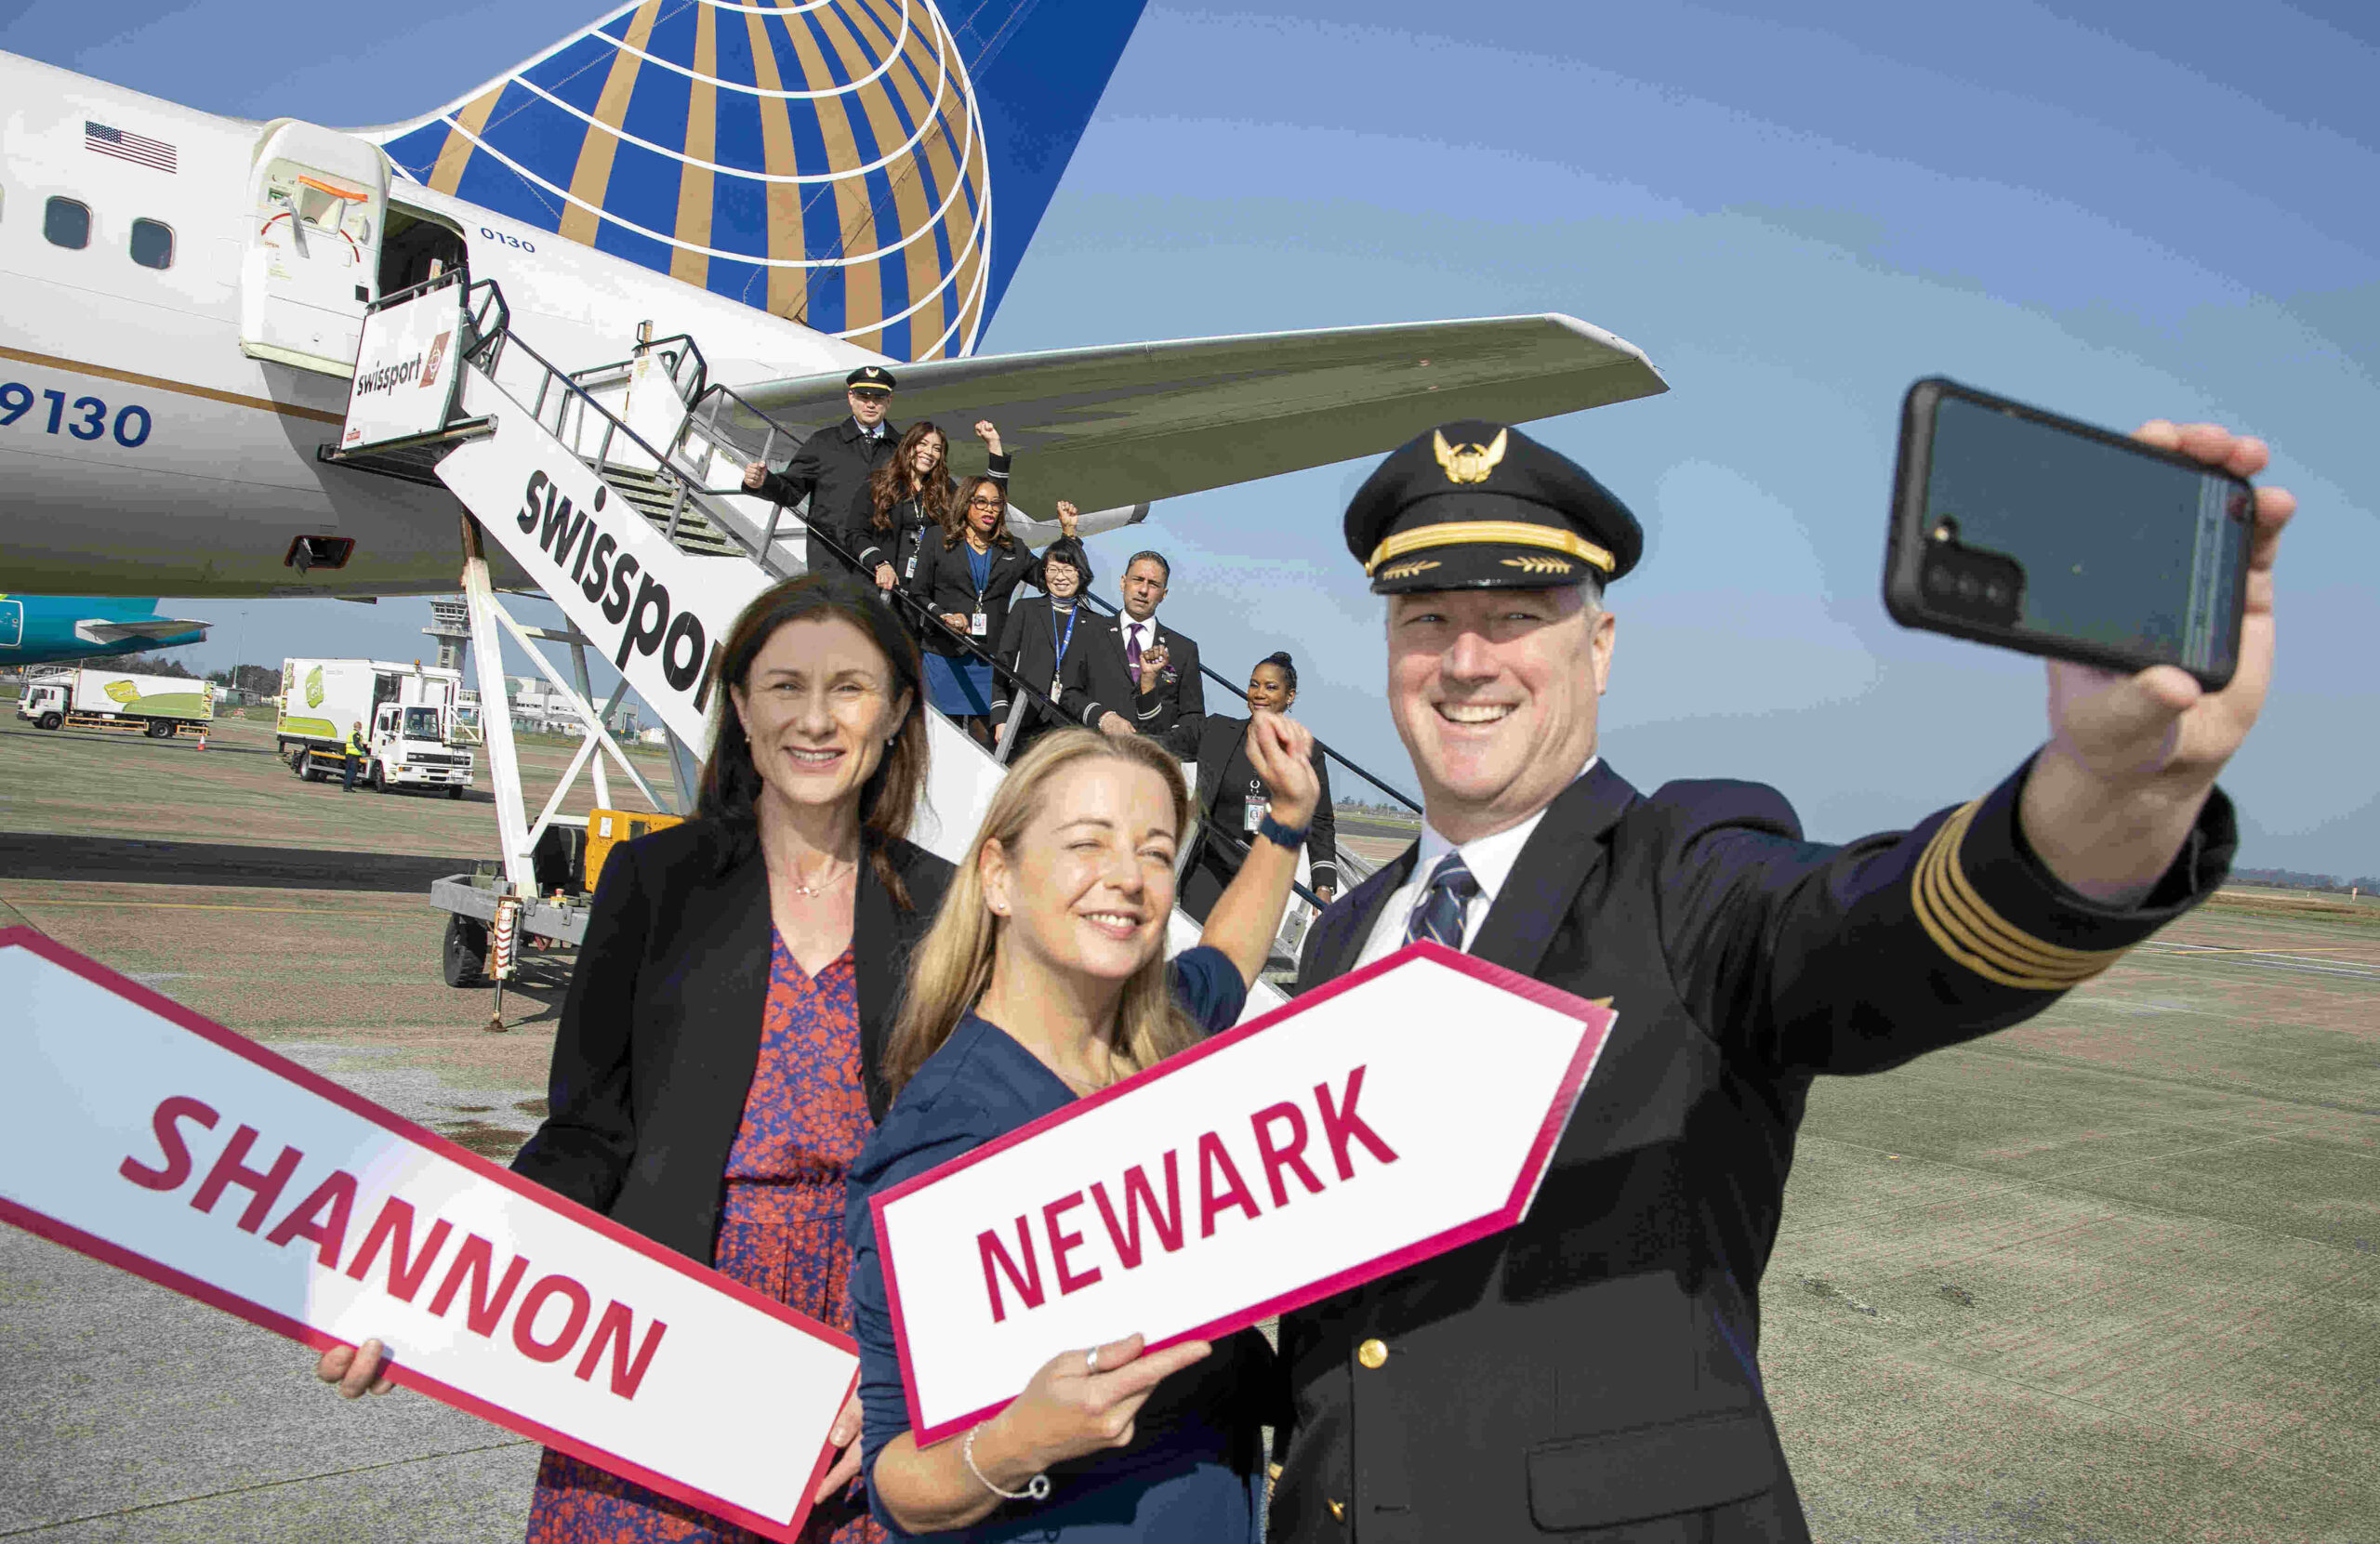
2164, 210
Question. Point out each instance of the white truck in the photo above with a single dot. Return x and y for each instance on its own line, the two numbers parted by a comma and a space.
161, 706
408, 714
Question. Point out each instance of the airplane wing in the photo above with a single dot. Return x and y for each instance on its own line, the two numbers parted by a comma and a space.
1121, 424
150, 628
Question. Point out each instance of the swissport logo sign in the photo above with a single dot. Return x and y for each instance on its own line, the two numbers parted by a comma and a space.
1399, 1113
142, 1135
403, 378
658, 613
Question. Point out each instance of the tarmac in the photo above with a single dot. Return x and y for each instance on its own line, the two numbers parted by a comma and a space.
2111, 1276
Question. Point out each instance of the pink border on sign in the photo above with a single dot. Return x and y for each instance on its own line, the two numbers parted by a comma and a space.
1515, 1205
166, 1275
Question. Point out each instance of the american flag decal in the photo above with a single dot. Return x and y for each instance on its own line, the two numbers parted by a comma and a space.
126, 146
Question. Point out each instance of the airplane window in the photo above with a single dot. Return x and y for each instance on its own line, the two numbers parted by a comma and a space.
66, 223
153, 245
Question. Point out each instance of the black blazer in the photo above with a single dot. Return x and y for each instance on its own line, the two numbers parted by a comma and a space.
1028, 645
1224, 772
661, 1027
831, 470
1596, 1367
946, 584
1097, 682
907, 524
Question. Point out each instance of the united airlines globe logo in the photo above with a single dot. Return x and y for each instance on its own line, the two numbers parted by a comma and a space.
822, 160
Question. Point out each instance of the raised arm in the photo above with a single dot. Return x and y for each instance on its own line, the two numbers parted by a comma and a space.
1247, 914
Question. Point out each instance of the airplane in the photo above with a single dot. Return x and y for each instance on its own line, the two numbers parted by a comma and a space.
35, 629
802, 189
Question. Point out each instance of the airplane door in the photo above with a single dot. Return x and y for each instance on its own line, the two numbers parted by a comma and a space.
317, 200
12, 623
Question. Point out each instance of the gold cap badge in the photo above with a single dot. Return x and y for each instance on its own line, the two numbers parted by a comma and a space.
1468, 463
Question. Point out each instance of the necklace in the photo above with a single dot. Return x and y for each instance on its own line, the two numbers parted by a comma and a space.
823, 888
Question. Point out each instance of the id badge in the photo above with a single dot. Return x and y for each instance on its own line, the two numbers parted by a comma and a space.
979, 625
911, 572
1254, 818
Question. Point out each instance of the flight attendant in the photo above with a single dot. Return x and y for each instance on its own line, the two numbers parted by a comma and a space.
1034, 642
965, 576
1232, 801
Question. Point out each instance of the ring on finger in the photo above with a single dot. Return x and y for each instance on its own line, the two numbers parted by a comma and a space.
1090, 1360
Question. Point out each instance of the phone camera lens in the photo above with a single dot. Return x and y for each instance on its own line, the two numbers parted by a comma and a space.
1967, 587
1937, 580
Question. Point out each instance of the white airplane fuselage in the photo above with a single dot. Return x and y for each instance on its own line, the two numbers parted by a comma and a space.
147, 454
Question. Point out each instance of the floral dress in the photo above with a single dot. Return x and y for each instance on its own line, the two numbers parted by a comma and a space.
781, 1234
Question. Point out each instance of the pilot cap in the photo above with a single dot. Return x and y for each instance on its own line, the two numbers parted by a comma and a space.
870, 377
1481, 505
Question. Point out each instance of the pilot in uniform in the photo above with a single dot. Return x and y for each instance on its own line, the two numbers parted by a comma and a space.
1593, 1373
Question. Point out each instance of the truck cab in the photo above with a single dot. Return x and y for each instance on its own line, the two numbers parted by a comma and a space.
44, 702
413, 745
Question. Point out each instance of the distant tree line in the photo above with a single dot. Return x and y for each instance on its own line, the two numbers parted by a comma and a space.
2289, 879
248, 678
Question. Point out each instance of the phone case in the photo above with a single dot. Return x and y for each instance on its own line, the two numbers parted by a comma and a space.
1905, 546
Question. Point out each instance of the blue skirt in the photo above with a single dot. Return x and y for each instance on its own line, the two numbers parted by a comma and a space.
959, 685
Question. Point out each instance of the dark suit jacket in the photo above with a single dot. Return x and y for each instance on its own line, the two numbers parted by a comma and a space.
946, 584
661, 1027
831, 470
1028, 645
1098, 681
906, 524
1224, 772
1596, 1367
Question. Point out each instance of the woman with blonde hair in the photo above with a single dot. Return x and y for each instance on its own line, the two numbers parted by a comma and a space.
1044, 980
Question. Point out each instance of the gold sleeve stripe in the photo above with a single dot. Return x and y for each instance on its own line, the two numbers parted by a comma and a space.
1513, 533
1966, 928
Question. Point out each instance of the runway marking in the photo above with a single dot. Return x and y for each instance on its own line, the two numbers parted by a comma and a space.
187, 389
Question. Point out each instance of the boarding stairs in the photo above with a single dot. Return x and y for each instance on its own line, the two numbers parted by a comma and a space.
643, 457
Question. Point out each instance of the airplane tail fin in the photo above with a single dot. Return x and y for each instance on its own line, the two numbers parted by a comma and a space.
870, 168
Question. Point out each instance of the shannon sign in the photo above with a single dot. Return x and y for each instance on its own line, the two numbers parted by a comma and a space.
144, 1136
1395, 1115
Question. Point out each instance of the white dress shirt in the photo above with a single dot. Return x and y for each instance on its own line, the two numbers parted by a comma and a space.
1490, 860
1143, 633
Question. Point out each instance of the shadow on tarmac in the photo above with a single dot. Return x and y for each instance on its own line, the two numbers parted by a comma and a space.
28, 855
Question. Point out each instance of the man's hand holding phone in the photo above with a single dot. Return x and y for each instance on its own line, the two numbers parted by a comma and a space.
2130, 759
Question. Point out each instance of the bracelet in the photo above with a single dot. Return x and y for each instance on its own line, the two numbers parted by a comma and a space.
1272, 830
1035, 1489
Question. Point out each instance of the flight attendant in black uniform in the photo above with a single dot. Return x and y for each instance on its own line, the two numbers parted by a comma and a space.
966, 577
1232, 802
1593, 1373
914, 493
1035, 640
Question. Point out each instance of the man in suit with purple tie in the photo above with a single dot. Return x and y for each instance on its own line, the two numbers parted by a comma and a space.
1132, 675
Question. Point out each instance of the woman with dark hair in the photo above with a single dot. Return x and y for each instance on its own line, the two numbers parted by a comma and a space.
965, 576
1232, 802
912, 493
720, 1057
1043, 981
1035, 639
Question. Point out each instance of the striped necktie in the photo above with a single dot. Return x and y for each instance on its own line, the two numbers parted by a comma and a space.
1438, 916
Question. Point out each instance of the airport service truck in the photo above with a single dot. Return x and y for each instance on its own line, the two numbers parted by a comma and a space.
160, 706
408, 717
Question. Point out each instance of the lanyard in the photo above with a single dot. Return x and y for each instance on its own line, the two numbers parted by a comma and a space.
1074, 615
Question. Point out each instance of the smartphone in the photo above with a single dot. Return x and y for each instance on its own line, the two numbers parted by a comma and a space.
2016, 526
